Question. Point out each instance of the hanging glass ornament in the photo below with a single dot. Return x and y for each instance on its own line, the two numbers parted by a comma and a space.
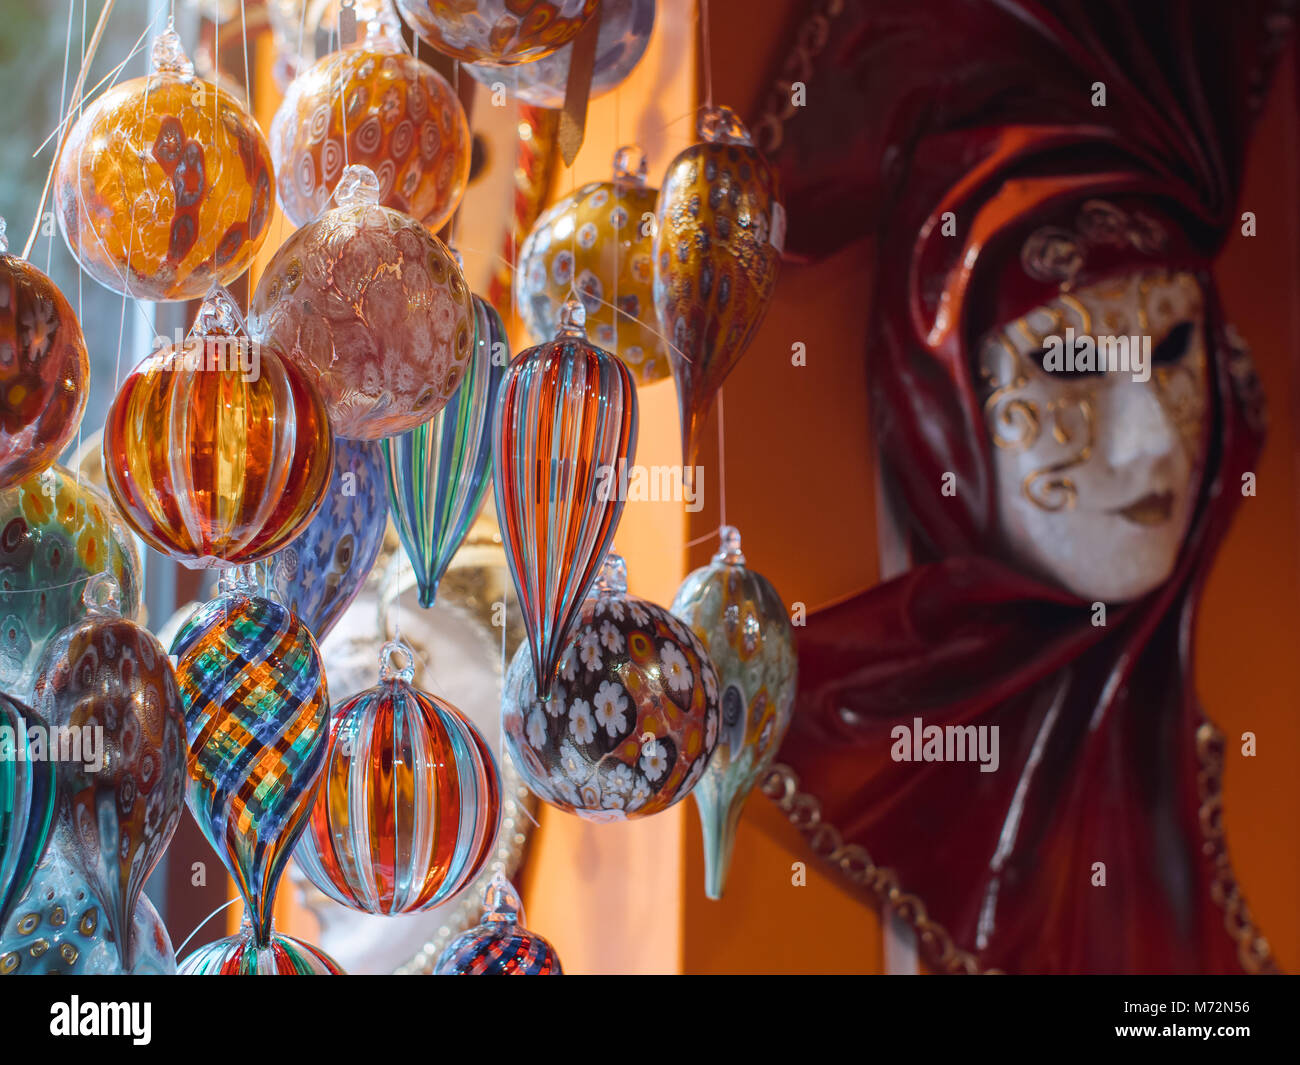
373, 307
107, 689
599, 241
26, 799
743, 623
247, 954
257, 721
163, 186
409, 810
60, 926
44, 369
632, 719
564, 434
720, 233
621, 41
306, 30
502, 32
217, 452
320, 573
372, 104
500, 945
55, 534
438, 472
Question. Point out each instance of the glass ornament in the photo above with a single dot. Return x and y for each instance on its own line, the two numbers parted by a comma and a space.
621, 41
599, 242
247, 954
720, 233
257, 720
55, 534
632, 720
164, 184
373, 307
741, 620
217, 452
438, 473
106, 687
306, 30
44, 369
564, 428
502, 32
376, 105
320, 573
411, 802
27, 794
59, 926
500, 945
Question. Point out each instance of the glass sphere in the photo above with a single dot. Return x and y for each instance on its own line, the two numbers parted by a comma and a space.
498, 31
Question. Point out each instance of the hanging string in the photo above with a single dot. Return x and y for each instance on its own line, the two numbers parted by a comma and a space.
707, 57
223, 906
63, 99
248, 81
722, 461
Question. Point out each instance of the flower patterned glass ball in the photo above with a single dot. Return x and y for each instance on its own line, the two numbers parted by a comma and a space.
55, 534
374, 307
411, 803
375, 105
503, 32
632, 719
600, 240
44, 369
499, 945
164, 185
217, 453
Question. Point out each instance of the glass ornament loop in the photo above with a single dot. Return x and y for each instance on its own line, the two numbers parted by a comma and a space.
102, 596
218, 315
573, 319
721, 125
612, 576
168, 54
381, 25
501, 903
4, 240
237, 580
630, 165
359, 185
729, 551
389, 670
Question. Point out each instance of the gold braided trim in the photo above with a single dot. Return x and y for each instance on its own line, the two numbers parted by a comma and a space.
809, 40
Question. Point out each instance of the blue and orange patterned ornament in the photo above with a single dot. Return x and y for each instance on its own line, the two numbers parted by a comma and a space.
740, 618
409, 810
500, 945
322, 570
26, 800
244, 954
108, 683
257, 720
438, 472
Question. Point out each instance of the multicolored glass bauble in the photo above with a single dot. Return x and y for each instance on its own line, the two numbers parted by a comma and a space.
719, 239
632, 720
409, 810
439, 471
55, 534
500, 945
320, 573
257, 720
164, 185
741, 620
44, 369
498, 31
247, 954
27, 791
60, 926
376, 105
107, 689
599, 240
565, 425
217, 452
374, 307
621, 41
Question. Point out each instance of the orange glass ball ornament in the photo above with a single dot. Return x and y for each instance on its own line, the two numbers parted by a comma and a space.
217, 452
504, 32
44, 369
375, 105
164, 185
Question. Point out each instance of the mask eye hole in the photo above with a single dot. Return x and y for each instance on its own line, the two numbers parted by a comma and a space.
1174, 346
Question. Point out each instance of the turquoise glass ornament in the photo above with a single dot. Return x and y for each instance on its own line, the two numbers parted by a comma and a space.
257, 721
500, 945
26, 800
439, 471
741, 620
248, 954
319, 574
55, 534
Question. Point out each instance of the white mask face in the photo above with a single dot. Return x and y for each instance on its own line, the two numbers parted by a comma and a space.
1096, 471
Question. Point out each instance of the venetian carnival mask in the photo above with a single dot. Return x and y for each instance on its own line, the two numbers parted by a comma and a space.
1095, 402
